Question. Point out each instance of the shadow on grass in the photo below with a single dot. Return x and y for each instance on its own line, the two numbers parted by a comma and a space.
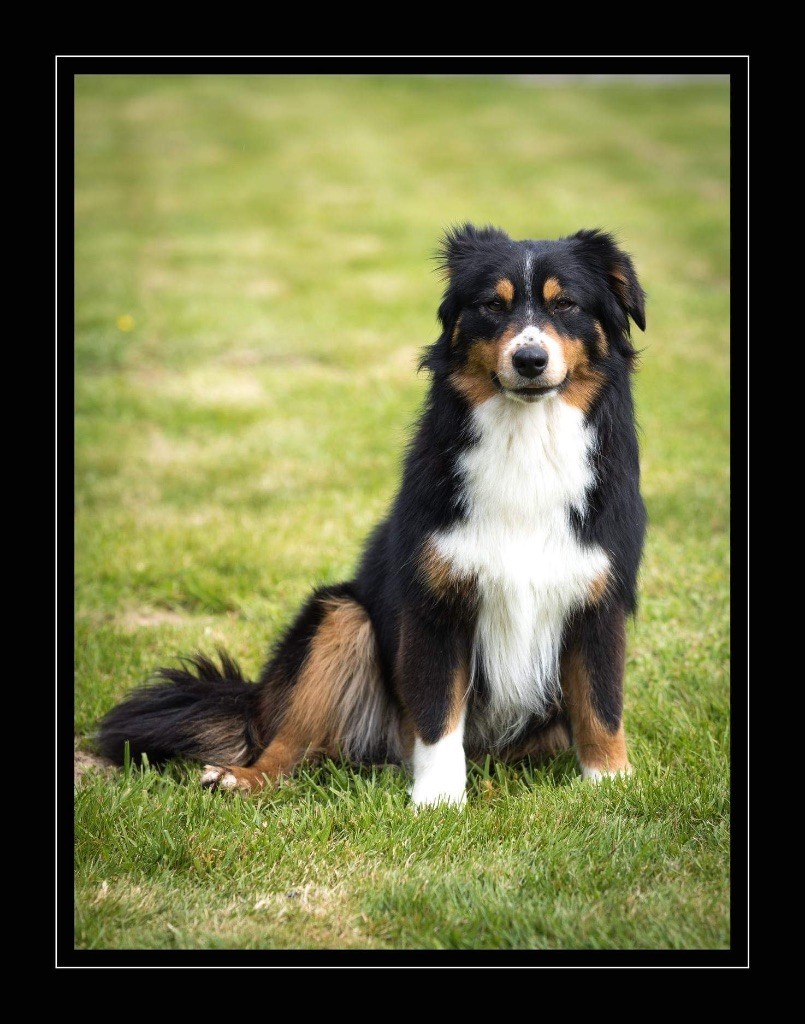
559, 770
334, 781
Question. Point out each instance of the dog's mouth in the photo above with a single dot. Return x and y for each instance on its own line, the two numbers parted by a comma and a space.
531, 392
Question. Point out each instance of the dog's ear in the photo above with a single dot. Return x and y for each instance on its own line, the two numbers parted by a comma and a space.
436, 357
600, 249
461, 243
458, 250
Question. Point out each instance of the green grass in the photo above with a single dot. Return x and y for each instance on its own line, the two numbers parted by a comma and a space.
270, 238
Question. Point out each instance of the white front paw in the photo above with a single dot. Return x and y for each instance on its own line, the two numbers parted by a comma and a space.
440, 770
428, 792
596, 774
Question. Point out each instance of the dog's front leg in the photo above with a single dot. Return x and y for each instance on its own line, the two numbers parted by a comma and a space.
432, 674
592, 691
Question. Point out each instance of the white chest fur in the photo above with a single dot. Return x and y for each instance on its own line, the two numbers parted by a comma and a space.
529, 468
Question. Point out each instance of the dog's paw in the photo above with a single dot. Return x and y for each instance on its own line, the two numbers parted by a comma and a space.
597, 774
429, 792
215, 777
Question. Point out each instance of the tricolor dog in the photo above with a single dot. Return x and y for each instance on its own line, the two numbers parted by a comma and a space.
488, 612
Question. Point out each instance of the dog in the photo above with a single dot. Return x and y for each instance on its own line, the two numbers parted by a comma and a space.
488, 612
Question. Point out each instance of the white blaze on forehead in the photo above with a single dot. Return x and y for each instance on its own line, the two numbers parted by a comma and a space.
527, 272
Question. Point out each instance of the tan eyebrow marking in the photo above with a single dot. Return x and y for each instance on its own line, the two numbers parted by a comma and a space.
551, 289
504, 289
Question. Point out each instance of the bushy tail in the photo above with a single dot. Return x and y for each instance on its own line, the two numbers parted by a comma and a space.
198, 711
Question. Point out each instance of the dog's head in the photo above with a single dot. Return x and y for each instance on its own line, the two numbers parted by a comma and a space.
531, 320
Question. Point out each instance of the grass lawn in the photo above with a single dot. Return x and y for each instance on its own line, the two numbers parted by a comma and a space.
253, 286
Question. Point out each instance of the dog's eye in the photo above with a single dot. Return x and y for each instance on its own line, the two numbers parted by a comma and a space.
561, 305
496, 305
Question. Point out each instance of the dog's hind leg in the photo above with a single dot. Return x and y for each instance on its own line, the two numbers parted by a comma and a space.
323, 695
279, 758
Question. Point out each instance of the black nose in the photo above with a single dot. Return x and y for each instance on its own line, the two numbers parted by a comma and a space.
531, 361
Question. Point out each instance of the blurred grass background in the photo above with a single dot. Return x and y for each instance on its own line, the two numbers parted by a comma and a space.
253, 286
